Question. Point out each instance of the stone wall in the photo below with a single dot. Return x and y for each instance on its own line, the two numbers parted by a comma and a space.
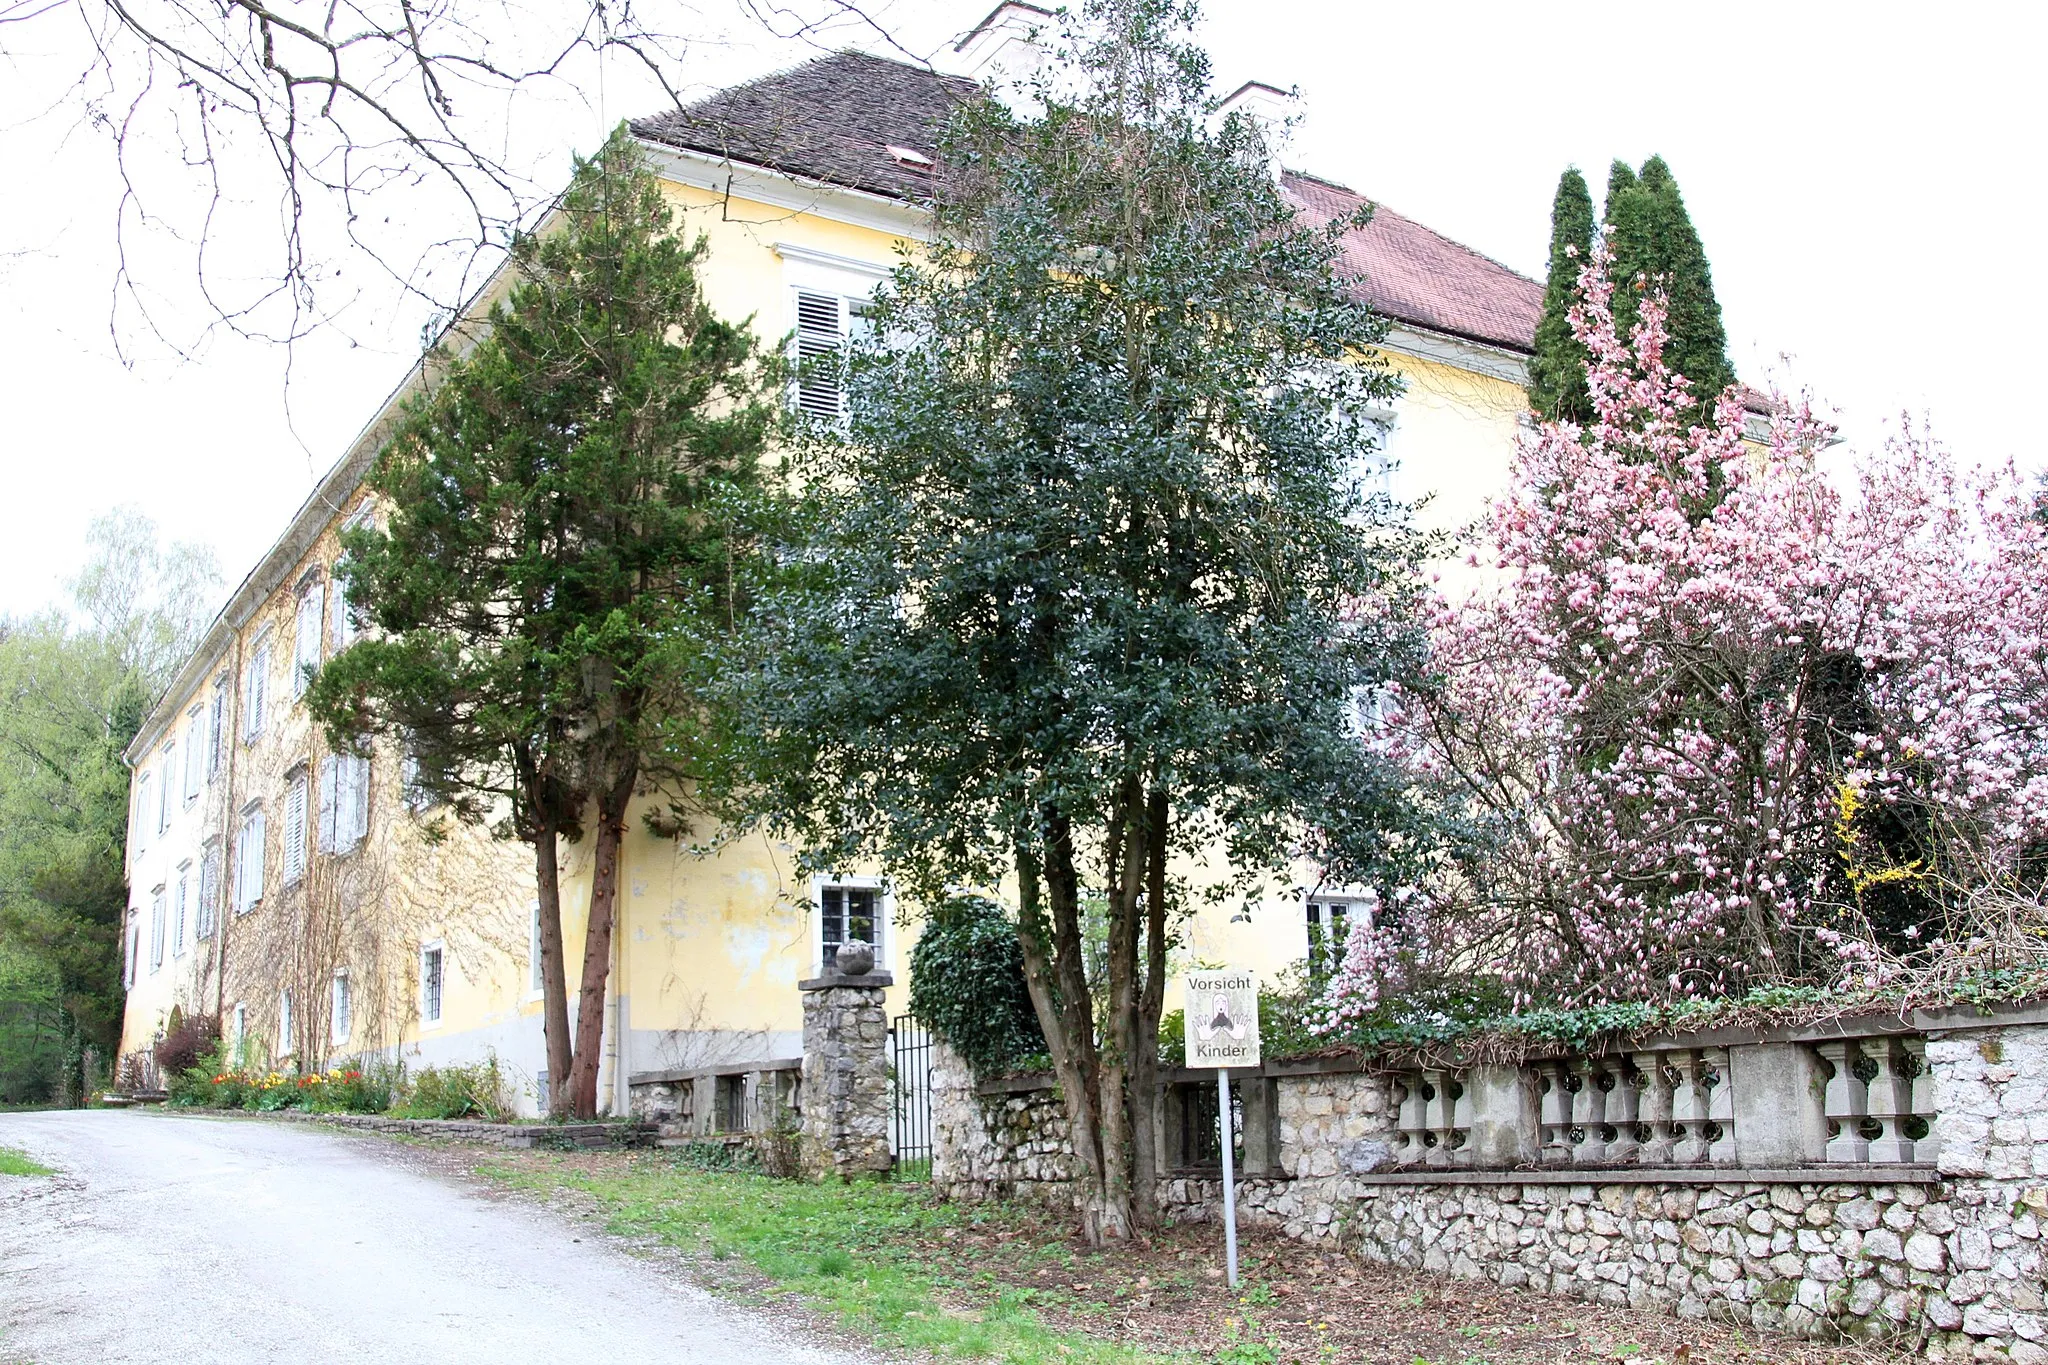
997, 1142
1947, 1254
496, 1134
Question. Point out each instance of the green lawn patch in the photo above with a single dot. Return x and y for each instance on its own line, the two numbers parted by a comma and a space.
873, 1256
14, 1161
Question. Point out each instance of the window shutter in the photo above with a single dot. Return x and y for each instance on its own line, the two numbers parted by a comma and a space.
341, 624
195, 743
253, 691
142, 795
295, 830
820, 349
178, 916
358, 799
163, 789
249, 863
156, 932
209, 890
216, 728
330, 832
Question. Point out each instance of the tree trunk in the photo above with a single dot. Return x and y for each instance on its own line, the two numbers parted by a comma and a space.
1051, 965
1144, 1085
554, 976
597, 945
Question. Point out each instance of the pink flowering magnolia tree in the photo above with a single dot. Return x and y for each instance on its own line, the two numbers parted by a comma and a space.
1720, 719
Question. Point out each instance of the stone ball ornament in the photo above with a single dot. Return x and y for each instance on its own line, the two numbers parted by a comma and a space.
854, 958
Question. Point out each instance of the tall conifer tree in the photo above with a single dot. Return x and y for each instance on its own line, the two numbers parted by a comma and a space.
1655, 246
1557, 372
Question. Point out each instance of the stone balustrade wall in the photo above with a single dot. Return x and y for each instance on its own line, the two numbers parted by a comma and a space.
1889, 1184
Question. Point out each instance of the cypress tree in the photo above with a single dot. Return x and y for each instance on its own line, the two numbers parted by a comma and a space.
1655, 246
1557, 372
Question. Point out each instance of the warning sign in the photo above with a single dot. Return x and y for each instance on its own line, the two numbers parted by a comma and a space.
1222, 1019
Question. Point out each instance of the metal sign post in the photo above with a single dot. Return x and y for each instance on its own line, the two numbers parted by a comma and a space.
1222, 1014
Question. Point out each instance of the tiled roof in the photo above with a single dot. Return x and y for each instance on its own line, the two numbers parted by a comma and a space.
1422, 277
834, 119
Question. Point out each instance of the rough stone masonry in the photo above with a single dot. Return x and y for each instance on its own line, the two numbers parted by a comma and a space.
846, 1076
1947, 1256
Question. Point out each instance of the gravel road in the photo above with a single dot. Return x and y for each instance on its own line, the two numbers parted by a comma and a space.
172, 1238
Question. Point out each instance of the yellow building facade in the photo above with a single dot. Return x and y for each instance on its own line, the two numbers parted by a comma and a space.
307, 899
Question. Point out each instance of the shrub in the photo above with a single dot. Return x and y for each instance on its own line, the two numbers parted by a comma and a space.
190, 1041
967, 984
455, 1092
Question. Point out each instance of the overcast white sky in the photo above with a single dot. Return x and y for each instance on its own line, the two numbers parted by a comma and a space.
1866, 179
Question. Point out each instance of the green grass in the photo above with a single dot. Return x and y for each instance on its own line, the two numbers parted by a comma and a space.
14, 1161
868, 1255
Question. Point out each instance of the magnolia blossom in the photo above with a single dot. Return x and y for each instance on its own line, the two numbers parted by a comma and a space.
1696, 674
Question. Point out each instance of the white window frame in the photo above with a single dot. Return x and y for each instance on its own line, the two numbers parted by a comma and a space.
340, 1011
308, 630
245, 849
1325, 909
438, 950
180, 903
284, 1023
342, 628
822, 273
344, 802
242, 1028
885, 916
134, 937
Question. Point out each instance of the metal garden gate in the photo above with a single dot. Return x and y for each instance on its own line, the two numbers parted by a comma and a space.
910, 1108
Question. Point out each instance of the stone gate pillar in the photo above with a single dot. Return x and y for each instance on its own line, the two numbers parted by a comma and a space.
846, 1075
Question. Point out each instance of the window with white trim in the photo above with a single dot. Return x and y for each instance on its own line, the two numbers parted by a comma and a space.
180, 895
241, 1028
284, 1024
156, 931
306, 636
195, 752
294, 827
134, 946
255, 689
850, 908
344, 802
826, 326
1329, 919
431, 982
209, 888
249, 862
339, 1013
145, 788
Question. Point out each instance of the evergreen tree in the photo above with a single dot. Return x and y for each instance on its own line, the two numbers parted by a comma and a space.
563, 502
1088, 588
1557, 372
1655, 247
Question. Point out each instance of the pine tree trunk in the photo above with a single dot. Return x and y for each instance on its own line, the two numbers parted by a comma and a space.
554, 976
597, 946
